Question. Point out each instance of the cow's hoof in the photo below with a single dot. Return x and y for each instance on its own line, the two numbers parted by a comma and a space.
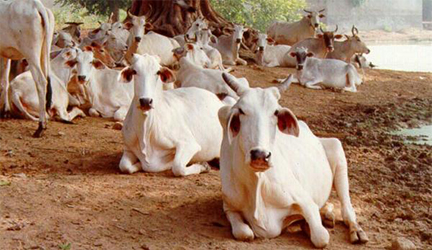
205, 167
357, 235
40, 131
320, 238
243, 233
5, 113
329, 220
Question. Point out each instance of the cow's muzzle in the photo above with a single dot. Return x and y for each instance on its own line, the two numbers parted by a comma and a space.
260, 159
238, 40
368, 51
145, 104
299, 67
81, 78
261, 48
330, 49
137, 39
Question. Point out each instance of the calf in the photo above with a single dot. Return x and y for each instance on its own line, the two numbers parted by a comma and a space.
275, 171
154, 143
194, 53
271, 55
63, 39
229, 46
327, 72
347, 49
292, 33
74, 30
108, 97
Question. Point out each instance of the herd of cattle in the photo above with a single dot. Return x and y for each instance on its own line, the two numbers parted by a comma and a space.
274, 171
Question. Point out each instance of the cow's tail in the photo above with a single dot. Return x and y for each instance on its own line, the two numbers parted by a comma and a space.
47, 22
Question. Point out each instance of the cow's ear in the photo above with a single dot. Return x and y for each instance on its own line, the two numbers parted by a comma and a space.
321, 15
71, 63
338, 37
189, 46
128, 25
287, 122
126, 75
347, 37
230, 120
213, 39
149, 26
166, 75
98, 64
293, 54
310, 54
95, 31
88, 48
320, 35
270, 40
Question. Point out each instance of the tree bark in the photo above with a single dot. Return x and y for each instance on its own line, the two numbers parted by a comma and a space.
170, 19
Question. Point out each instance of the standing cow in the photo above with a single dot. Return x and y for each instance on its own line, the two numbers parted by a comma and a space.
292, 33
27, 29
275, 171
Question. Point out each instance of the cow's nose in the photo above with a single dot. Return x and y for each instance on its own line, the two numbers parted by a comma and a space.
299, 67
316, 25
146, 103
368, 51
138, 39
261, 48
81, 78
238, 40
260, 155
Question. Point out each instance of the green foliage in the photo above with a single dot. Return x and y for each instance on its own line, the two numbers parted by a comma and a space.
66, 246
97, 7
65, 14
259, 14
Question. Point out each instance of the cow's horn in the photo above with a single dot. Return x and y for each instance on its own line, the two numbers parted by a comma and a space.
308, 11
337, 27
322, 10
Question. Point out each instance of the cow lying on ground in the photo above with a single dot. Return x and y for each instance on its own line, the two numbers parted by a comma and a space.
275, 171
108, 97
347, 49
204, 37
269, 55
168, 129
326, 72
292, 33
190, 36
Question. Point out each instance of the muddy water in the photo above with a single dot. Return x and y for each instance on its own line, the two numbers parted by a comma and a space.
402, 57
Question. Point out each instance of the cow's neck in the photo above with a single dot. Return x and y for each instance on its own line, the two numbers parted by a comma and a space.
346, 49
235, 47
305, 22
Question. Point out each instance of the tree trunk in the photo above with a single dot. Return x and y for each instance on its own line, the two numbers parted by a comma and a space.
115, 12
170, 19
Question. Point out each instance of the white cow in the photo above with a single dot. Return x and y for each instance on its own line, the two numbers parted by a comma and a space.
107, 96
194, 53
27, 29
275, 171
292, 33
100, 32
192, 75
63, 39
190, 36
330, 73
58, 66
204, 37
271, 55
229, 46
25, 102
168, 129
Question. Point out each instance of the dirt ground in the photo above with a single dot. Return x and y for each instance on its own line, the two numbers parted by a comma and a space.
66, 187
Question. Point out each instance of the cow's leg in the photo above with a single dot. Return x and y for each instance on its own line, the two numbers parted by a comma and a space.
184, 154
93, 112
310, 211
241, 61
16, 100
65, 116
120, 114
129, 163
240, 230
41, 87
350, 85
312, 84
4, 100
327, 215
338, 163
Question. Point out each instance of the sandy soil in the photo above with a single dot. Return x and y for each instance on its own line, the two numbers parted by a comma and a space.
409, 35
66, 188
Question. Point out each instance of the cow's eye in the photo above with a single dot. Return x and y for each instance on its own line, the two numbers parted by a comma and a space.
101, 51
276, 112
197, 25
241, 112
